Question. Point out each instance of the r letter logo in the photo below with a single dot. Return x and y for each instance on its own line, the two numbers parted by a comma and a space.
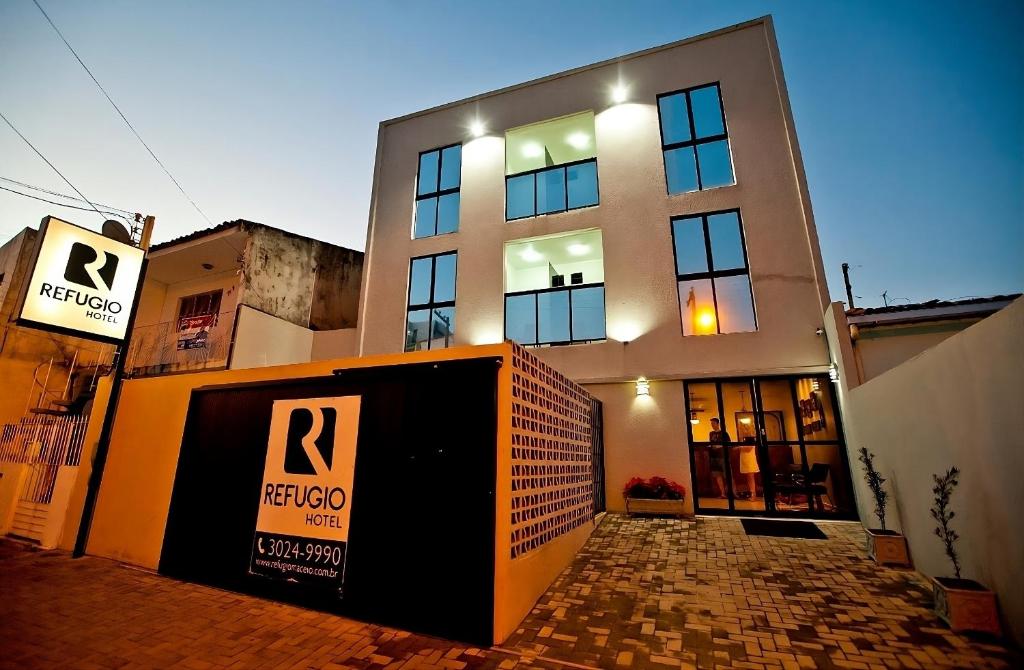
309, 447
82, 267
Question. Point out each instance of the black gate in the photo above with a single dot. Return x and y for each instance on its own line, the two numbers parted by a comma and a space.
421, 539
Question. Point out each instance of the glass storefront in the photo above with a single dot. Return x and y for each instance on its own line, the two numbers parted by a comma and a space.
768, 445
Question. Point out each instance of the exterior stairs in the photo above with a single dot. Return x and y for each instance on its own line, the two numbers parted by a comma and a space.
30, 520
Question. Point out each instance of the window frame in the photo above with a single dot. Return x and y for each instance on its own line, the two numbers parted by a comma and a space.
564, 167
430, 305
693, 141
569, 289
218, 292
712, 274
438, 192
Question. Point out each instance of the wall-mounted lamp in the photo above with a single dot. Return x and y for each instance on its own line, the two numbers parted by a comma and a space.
619, 93
476, 128
833, 373
693, 418
643, 387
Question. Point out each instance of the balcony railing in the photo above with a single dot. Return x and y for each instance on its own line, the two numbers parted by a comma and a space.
552, 189
564, 315
186, 344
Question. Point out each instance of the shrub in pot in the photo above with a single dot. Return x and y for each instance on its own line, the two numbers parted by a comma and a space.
964, 604
886, 547
655, 496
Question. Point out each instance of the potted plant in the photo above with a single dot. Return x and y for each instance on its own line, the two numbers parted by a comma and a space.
886, 547
656, 496
964, 604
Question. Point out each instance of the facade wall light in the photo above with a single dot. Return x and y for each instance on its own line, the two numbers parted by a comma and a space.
833, 373
643, 387
619, 93
476, 128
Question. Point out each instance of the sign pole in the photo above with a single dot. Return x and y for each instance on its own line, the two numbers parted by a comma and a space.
103, 446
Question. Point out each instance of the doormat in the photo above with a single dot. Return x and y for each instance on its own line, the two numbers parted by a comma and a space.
770, 528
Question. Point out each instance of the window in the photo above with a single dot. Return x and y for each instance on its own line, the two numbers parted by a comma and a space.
694, 139
712, 274
437, 191
551, 167
554, 289
199, 305
430, 314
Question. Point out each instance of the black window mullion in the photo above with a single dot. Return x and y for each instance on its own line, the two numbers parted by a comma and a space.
565, 188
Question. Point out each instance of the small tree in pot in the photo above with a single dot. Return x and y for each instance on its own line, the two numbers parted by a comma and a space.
964, 604
884, 546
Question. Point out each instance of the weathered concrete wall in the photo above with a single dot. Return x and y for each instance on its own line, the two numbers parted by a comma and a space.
306, 282
958, 403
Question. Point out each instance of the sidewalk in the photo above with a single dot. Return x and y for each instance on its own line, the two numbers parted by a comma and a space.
643, 593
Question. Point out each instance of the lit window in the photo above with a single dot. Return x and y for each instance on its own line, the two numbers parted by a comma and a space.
554, 289
712, 274
430, 311
694, 139
437, 191
551, 167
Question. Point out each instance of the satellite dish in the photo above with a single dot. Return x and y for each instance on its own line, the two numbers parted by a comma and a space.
115, 230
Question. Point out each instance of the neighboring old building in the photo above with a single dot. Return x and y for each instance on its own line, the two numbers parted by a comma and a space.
884, 337
244, 294
645, 217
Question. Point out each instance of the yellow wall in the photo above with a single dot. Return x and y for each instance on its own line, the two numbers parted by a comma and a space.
131, 511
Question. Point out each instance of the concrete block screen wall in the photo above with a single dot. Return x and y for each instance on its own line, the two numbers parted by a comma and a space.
594, 161
473, 483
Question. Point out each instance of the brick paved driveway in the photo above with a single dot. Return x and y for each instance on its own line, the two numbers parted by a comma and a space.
644, 593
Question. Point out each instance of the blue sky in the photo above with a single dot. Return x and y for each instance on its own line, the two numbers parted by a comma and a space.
910, 115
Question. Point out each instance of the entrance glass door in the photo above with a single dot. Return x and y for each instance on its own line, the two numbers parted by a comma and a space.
767, 446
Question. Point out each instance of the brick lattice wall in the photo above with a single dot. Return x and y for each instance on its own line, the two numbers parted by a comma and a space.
552, 469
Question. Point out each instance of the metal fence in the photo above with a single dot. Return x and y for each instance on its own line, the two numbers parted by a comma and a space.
45, 443
185, 344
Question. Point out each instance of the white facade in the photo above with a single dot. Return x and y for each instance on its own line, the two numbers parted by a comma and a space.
644, 436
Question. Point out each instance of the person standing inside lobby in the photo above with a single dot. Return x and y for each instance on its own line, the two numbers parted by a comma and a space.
718, 439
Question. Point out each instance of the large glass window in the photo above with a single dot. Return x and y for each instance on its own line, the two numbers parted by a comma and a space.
554, 289
712, 274
767, 445
551, 167
694, 139
430, 312
437, 191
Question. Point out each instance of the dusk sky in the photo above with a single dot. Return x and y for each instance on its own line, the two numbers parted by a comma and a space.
910, 116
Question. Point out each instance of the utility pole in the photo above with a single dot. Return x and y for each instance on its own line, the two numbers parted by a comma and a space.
849, 289
103, 446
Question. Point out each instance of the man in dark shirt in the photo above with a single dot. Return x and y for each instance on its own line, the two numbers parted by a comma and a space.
718, 438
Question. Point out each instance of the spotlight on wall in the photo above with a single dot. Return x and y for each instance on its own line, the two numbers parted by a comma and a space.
619, 93
476, 128
643, 387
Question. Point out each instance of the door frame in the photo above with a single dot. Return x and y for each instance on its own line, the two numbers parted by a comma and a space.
762, 447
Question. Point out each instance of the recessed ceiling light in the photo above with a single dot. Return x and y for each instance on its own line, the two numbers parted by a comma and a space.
532, 150
579, 140
578, 249
619, 93
531, 255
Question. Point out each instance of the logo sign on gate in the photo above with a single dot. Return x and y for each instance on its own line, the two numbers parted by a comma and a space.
82, 283
306, 497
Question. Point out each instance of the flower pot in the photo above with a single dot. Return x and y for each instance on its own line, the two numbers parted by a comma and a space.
887, 547
966, 605
656, 507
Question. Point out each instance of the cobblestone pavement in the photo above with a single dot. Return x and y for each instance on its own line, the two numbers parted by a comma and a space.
644, 593
659, 593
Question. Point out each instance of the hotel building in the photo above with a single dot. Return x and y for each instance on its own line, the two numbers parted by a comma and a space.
644, 226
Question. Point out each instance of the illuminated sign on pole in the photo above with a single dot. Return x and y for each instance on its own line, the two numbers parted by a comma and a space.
82, 283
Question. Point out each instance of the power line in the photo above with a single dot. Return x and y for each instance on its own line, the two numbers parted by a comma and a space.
123, 117
61, 204
39, 153
60, 195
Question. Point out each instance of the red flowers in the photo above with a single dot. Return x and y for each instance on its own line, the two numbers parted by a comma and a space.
655, 488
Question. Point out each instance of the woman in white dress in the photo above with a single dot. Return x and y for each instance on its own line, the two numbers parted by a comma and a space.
749, 467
